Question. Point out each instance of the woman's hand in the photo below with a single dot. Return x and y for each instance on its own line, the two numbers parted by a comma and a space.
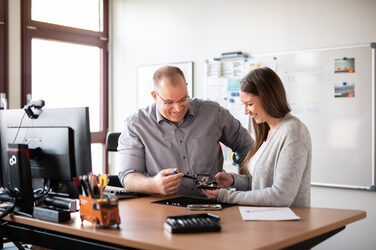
224, 179
211, 194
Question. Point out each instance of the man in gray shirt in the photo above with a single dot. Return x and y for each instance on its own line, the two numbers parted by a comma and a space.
176, 134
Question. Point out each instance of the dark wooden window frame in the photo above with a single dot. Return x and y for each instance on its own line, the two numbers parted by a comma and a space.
4, 46
34, 29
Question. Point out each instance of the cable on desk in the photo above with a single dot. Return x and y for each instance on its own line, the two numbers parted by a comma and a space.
8, 195
38, 193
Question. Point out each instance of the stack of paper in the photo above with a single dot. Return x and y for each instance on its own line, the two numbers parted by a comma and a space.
267, 213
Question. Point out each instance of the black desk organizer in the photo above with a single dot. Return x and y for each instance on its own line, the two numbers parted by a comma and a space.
183, 201
192, 223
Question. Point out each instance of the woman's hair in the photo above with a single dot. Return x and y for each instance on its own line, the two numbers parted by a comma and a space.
266, 84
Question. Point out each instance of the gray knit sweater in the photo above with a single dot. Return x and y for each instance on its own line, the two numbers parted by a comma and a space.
282, 173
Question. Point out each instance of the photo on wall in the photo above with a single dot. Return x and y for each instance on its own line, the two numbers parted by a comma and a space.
344, 89
344, 65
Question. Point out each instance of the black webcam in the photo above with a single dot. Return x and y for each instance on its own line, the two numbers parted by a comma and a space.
38, 105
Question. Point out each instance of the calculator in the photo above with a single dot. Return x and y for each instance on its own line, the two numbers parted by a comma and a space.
192, 223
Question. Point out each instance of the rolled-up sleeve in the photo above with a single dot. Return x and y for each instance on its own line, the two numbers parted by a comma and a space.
233, 134
131, 152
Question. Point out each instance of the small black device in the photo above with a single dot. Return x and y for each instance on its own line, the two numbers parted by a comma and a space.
192, 223
204, 181
184, 201
121, 193
37, 105
202, 207
59, 202
51, 214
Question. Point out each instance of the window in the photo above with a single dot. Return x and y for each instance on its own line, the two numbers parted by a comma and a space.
3, 52
65, 61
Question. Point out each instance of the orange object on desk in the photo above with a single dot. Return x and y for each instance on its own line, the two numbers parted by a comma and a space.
103, 212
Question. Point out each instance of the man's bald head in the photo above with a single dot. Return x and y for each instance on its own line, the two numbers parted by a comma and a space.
166, 72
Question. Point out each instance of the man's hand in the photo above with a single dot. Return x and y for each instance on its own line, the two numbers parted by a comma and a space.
224, 179
166, 182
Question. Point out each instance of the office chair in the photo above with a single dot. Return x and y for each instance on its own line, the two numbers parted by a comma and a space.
112, 141
111, 146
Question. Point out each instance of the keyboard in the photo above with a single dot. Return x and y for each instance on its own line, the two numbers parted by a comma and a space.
121, 193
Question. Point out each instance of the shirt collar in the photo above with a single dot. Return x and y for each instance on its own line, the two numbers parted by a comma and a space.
160, 117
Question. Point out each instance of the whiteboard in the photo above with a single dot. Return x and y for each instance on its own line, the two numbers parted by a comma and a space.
337, 105
145, 81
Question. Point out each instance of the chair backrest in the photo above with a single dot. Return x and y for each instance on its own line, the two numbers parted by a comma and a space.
112, 141
111, 145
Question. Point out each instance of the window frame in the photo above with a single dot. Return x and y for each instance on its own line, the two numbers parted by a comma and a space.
4, 47
35, 29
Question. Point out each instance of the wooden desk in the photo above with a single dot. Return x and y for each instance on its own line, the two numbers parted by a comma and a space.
142, 227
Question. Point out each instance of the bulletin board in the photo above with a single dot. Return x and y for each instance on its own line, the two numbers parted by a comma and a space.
332, 91
222, 85
145, 81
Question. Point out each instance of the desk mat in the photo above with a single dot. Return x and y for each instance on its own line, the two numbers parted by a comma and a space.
183, 201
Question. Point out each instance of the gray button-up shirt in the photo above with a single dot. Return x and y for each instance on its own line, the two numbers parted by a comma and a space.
150, 143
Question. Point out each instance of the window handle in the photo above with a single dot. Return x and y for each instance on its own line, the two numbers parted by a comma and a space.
3, 101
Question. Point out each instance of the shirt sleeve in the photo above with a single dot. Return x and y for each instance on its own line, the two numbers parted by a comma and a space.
291, 165
131, 152
242, 182
234, 135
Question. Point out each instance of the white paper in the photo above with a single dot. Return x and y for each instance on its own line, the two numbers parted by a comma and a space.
233, 68
213, 68
258, 62
216, 90
267, 213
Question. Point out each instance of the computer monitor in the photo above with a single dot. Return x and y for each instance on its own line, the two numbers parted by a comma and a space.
59, 145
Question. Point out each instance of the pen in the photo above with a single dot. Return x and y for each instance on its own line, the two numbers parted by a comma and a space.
260, 210
88, 187
102, 179
83, 185
190, 177
94, 185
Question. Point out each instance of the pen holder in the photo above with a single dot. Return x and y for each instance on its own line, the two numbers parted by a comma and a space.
103, 212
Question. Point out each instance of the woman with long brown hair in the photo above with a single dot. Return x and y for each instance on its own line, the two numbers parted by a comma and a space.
277, 169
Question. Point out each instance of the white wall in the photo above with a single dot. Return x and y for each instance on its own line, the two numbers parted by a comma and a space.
160, 31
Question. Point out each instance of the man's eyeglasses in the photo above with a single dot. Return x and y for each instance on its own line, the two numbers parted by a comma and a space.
169, 102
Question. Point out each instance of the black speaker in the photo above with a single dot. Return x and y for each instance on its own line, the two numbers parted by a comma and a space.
20, 176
